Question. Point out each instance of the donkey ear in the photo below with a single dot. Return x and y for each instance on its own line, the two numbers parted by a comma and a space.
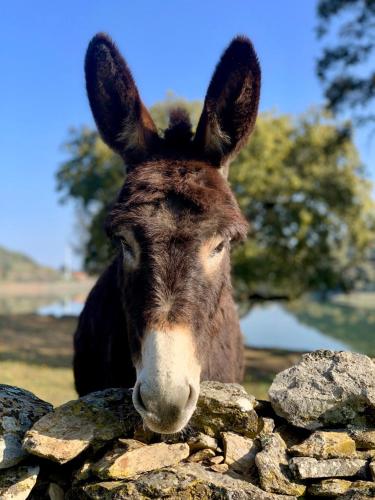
123, 121
231, 103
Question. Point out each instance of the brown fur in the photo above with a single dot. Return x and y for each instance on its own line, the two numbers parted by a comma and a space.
174, 199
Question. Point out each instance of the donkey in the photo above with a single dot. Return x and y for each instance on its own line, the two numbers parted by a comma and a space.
161, 317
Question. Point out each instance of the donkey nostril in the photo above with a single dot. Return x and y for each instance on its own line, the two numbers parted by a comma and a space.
138, 397
191, 398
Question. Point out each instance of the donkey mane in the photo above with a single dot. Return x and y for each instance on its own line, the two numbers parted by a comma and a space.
179, 134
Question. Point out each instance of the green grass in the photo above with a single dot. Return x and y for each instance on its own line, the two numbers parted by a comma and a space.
36, 354
54, 385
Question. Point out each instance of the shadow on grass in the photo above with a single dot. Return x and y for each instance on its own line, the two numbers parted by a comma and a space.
37, 340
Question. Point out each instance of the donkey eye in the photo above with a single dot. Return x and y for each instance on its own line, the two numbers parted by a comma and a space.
126, 248
218, 248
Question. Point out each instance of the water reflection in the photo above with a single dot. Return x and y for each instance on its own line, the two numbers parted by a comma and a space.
61, 308
354, 325
271, 326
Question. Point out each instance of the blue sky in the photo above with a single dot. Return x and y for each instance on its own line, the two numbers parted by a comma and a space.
170, 45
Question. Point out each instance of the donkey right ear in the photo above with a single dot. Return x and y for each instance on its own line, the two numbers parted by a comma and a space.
231, 104
123, 121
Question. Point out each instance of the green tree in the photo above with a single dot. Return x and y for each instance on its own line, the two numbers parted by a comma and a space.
346, 66
301, 186
299, 182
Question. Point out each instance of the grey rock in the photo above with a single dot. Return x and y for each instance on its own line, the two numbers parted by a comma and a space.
19, 409
221, 468
323, 444
360, 490
310, 468
272, 464
329, 488
201, 455
218, 459
224, 406
201, 441
239, 452
365, 454
267, 425
364, 437
326, 388
122, 464
16, 483
185, 481
91, 420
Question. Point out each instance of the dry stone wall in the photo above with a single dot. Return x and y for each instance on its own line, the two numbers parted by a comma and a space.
315, 438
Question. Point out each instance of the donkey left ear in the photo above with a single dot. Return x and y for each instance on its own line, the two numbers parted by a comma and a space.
122, 119
231, 104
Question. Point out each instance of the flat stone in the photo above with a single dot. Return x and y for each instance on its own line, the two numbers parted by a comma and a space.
16, 483
221, 468
218, 459
91, 420
326, 445
200, 441
310, 468
329, 488
326, 388
272, 464
129, 444
224, 406
19, 409
267, 425
120, 464
365, 454
360, 490
358, 494
364, 438
201, 455
239, 451
184, 481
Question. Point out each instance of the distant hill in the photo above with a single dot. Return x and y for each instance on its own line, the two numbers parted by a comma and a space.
15, 266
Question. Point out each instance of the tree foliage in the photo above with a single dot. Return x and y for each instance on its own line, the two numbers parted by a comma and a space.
347, 67
299, 182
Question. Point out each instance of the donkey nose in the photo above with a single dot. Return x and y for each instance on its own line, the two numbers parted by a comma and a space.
165, 409
171, 403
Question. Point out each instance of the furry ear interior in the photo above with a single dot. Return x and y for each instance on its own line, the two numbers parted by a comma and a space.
231, 103
123, 121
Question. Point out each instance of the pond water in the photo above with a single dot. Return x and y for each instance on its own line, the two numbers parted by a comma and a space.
302, 325
273, 326
61, 308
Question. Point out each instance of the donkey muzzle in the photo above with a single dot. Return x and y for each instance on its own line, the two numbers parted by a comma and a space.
168, 375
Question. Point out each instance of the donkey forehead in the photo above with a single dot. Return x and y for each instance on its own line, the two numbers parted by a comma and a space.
188, 197
195, 181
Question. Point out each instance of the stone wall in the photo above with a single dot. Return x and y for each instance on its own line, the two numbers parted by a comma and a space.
314, 438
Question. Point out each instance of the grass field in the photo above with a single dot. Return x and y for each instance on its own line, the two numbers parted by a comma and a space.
36, 354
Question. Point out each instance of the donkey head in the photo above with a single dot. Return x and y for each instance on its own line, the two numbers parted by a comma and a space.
174, 219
